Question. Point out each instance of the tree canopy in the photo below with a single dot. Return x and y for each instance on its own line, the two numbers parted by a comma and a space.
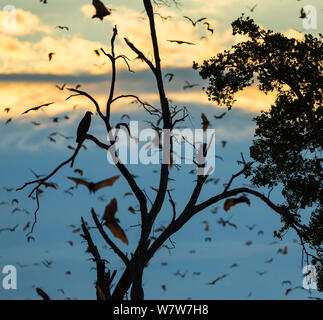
287, 148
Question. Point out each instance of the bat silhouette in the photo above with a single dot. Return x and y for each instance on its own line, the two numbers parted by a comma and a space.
252, 8
63, 27
283, 251
79, 171
205, 121
93, 187
208, 27
217, 279
164, 18
9, 229
194, 23
38, 107
97, 52
220, 116
112, 222
189, 86
181, 42
8, 121
233, 201
6, 110
101, 10
170, 76
50, 55
251, 227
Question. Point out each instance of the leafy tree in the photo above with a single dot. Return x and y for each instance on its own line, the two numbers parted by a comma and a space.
287, 148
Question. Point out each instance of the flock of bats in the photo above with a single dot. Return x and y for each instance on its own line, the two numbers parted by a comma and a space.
109, 216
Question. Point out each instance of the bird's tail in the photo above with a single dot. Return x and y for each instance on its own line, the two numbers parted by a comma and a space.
76, 152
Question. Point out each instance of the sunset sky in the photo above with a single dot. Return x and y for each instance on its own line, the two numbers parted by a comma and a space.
28, 78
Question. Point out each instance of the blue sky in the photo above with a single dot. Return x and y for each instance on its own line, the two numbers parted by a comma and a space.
29, 79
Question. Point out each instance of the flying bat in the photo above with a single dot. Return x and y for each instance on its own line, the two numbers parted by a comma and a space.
220, 116
93, 187
6, 110
50, 55
208, 27
205, 121
189, 85
194, 23
170, 76
38, 107
63, 27
233, 201
61, 87
112, 222
252, 8
181, 42
217, 279
101, 10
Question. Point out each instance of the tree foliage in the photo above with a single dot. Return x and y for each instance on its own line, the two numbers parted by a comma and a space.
287, 148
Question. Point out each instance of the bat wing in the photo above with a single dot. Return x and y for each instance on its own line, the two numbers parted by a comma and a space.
199, 20
105, 183
42, 294
188, 19
110, 210
117, 231
78, 181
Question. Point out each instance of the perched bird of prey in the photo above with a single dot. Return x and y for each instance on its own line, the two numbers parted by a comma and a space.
83, 127
101, 10
208, 27
38, 107
63, 27
50, 55
181, 42
194, 23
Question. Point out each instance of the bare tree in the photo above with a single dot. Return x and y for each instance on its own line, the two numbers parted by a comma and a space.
170, 117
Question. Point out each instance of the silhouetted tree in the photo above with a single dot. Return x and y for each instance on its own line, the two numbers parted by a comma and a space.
228, 73
287, 148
